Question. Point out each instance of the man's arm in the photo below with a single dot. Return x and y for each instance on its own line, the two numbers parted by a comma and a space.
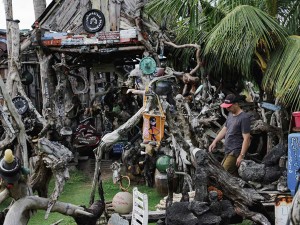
245, 146
219, 137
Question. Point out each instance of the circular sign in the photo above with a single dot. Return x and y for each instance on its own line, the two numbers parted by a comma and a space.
21, 104
148, 65
93, 21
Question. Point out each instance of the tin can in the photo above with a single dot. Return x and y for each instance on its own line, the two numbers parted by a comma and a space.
283, 205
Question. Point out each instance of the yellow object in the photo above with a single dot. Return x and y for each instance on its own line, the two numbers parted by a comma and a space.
8, 156
149, 150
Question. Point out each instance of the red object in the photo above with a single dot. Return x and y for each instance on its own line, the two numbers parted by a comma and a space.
9, 186
296, 116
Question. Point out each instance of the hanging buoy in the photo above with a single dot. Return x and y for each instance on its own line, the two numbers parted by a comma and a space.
163, 163
122, 202
10, 167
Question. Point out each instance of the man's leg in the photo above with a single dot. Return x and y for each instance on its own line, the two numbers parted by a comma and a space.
229, 164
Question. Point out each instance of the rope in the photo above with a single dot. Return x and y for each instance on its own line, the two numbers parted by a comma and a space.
121, 186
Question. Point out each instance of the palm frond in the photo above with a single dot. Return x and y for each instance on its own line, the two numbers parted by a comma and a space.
289, 15
185, 20
234, 40
282, 75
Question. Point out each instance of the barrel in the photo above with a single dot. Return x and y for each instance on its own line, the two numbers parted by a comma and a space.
161, 183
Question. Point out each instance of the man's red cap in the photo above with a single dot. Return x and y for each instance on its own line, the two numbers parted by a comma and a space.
229, 101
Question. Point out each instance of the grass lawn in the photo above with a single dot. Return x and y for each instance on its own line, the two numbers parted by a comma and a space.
77, 191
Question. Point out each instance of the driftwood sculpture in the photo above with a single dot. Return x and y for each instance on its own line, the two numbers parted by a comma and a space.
232, 187
189, 129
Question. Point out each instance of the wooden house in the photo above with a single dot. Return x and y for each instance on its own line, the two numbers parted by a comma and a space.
103, 28
101, 39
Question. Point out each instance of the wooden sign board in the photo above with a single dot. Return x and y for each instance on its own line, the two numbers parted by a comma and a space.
99, 38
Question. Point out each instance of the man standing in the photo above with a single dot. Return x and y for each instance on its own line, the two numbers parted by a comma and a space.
237, 135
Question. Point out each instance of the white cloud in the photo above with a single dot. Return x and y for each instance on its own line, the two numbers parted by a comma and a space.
22, 10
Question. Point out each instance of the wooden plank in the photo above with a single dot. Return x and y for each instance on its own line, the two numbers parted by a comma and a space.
75, 23
118, 15
112, 15
68, 14
152, 215
104, 9
96, 4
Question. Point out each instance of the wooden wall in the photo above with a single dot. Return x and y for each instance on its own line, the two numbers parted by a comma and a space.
66, 15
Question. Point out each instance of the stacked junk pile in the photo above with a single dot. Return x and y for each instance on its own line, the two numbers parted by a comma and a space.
179, 118
160, 121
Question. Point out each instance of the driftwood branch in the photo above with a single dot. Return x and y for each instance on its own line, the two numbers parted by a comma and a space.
57, 157
232, 187
242, 210
19, 214
197, 47
4, 195
107, 141
260, 126
22, 135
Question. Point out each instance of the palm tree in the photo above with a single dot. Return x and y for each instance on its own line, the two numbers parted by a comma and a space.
247, 37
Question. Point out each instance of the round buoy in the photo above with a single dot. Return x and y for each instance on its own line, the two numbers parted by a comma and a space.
122, 202
163, 163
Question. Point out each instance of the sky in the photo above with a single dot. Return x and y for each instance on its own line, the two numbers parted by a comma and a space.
22, 10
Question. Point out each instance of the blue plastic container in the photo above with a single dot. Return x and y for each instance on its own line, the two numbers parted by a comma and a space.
293, 161
118, 148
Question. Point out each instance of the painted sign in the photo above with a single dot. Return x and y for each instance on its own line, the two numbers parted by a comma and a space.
153, 127
293, 161
93, 21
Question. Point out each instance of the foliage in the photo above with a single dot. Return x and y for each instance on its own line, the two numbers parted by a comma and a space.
234, 40
237, 36
282, 76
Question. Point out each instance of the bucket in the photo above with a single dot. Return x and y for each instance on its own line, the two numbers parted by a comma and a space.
296, 116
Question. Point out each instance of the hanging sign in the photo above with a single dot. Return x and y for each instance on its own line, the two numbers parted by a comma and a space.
93, 21
154, 125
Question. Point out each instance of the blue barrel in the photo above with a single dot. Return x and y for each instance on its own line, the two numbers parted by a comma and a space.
293, 161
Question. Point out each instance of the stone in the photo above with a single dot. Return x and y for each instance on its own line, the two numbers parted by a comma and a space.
273, 157
179, 214
209, 219
251, 171
198, 208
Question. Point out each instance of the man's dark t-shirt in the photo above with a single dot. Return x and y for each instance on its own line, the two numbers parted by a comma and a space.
236, 127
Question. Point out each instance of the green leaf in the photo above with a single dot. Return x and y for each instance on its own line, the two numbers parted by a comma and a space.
234, 40
282, 75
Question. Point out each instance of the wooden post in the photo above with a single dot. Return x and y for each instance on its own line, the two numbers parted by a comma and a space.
39, 7
13, 78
